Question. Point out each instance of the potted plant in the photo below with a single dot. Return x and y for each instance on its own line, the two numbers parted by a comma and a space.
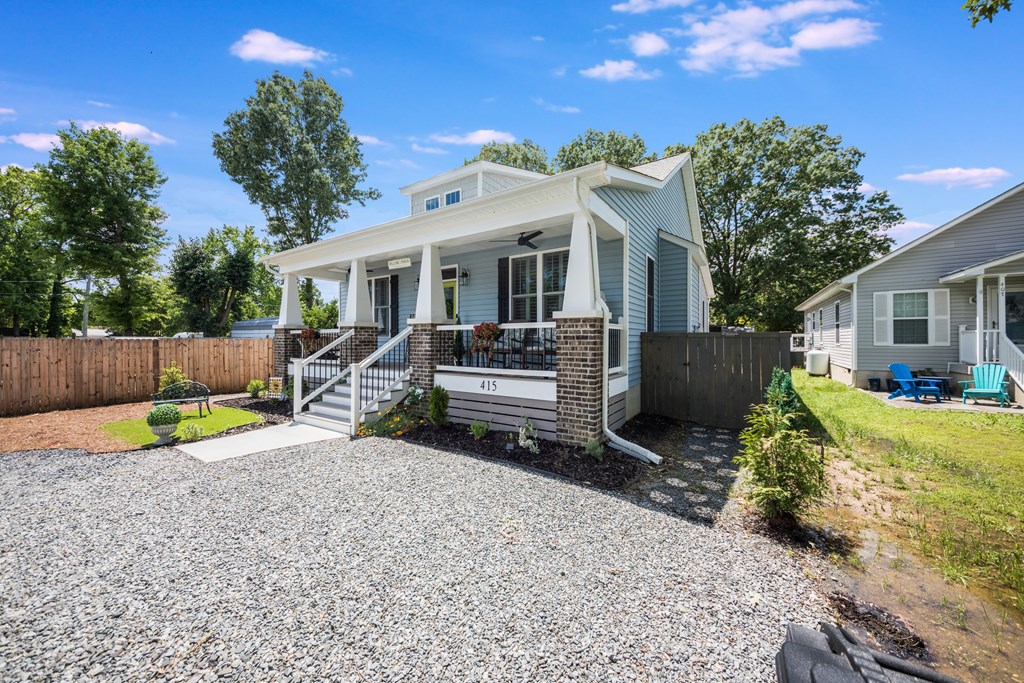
309, 340
163, 421
484, 337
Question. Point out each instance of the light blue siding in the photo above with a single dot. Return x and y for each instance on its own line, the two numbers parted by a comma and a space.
609, 258
673, 259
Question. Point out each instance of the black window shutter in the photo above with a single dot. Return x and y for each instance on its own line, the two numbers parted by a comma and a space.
503, 290
394, 305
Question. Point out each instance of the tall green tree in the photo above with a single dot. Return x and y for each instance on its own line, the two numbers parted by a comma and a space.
527, 155
148, 301
784, 212
100, 191
979, 10
212, 275
294, 156
26, 266
614, 147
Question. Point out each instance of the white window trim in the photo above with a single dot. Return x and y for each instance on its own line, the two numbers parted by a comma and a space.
835, 324
539, 255
427, 199
382, 326
650, 300
455, 192
932, 318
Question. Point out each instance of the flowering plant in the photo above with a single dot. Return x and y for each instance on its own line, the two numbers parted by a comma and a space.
528, 437
309, 333
484, 336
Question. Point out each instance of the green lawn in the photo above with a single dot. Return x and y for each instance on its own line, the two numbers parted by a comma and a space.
960, 476
137, 433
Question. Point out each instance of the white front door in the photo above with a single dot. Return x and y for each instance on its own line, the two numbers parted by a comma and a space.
992, 308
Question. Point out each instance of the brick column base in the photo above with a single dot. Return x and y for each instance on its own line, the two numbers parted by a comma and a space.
361, 345
286, 347
424, 350
578, 383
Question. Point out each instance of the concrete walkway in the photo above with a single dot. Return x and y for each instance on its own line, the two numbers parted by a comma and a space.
257, 441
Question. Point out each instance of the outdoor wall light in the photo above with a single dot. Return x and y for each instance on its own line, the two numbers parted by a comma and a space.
417, 283
464, 277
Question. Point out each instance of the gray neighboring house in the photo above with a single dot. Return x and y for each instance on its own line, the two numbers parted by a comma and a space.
256, 328
924, 303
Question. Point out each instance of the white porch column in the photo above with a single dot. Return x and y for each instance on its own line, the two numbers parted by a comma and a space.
291, 311
341, 291
430, 297
581, 274
357, 303
979, 302
1002, 317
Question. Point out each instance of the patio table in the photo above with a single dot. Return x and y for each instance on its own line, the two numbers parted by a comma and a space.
941, 382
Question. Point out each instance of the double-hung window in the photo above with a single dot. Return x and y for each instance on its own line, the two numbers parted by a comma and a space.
912, 318
835, 321
453, 197
534, 296
380, 302
431, 203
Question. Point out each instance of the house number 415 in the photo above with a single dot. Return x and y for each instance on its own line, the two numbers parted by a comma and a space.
488, 385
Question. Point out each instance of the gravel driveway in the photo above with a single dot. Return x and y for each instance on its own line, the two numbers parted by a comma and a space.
370, 560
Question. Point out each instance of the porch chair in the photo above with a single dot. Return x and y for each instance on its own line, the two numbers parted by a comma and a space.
912, 387
989, 382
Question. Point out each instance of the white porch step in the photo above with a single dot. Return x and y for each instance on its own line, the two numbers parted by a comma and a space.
323, 422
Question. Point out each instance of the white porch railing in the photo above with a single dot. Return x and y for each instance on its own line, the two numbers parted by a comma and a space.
990, 346
379, 374
522, 347
798, 342
1012, 357
318, 372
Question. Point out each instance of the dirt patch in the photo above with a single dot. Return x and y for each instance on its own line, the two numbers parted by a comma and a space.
81, 428
893, 634
613, 472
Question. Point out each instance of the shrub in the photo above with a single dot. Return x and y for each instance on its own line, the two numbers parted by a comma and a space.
256, 388
167, 414
438, 413
595, 449
172, 375
191, 432
395, 422
479, 429
528, 436
414, 396
785, 473
780, 393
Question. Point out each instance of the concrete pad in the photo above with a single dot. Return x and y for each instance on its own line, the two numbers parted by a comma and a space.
257, 441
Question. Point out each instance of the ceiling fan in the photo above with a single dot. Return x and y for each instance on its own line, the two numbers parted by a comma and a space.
524, 239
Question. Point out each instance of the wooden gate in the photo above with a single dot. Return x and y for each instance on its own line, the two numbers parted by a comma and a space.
709, 378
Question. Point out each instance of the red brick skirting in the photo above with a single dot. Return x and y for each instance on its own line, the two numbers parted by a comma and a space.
579, 379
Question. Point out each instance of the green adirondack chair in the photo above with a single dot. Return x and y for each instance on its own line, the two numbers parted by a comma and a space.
989, 382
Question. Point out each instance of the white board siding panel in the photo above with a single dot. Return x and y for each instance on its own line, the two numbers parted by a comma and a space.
496, 387
998, 231
504, 414
647, 213
467, 185
674, 260
496, 182
840, 353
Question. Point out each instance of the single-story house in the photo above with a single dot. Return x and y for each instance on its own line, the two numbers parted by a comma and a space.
571, 267
948, 300
256, 328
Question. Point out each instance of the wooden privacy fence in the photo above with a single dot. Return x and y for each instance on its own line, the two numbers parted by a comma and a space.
37, 375
709, 378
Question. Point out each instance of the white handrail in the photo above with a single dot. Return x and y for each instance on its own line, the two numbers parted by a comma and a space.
1012, 357
357, 370
504, 326
298, 400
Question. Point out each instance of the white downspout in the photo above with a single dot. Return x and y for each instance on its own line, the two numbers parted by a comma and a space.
617, 442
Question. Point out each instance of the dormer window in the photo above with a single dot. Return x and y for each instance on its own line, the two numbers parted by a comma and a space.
432, 203
453, 197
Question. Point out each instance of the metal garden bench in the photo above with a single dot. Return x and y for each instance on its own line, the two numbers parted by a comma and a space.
185, 392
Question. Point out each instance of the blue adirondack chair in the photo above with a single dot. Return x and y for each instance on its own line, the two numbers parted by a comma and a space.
989, 382
913, 387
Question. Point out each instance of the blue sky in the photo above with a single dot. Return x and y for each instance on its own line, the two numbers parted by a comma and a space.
935, 105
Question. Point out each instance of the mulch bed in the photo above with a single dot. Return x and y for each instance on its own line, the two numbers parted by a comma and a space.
272, 412
894, 635
613, 472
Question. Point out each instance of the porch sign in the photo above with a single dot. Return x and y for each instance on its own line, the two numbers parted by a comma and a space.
395, 264
497, 386
275, 388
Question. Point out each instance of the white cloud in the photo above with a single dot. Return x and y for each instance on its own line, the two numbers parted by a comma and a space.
958, 177
867, 188
398, 163
342, 71
648, 44
752, 39
96, 103
558, 71
7, 111
625, 69
476, 137
644, 6
40, 142
11, 165
537, 39
264, 46
131, 130
908, 230
428, 150
560, 108
369, 140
